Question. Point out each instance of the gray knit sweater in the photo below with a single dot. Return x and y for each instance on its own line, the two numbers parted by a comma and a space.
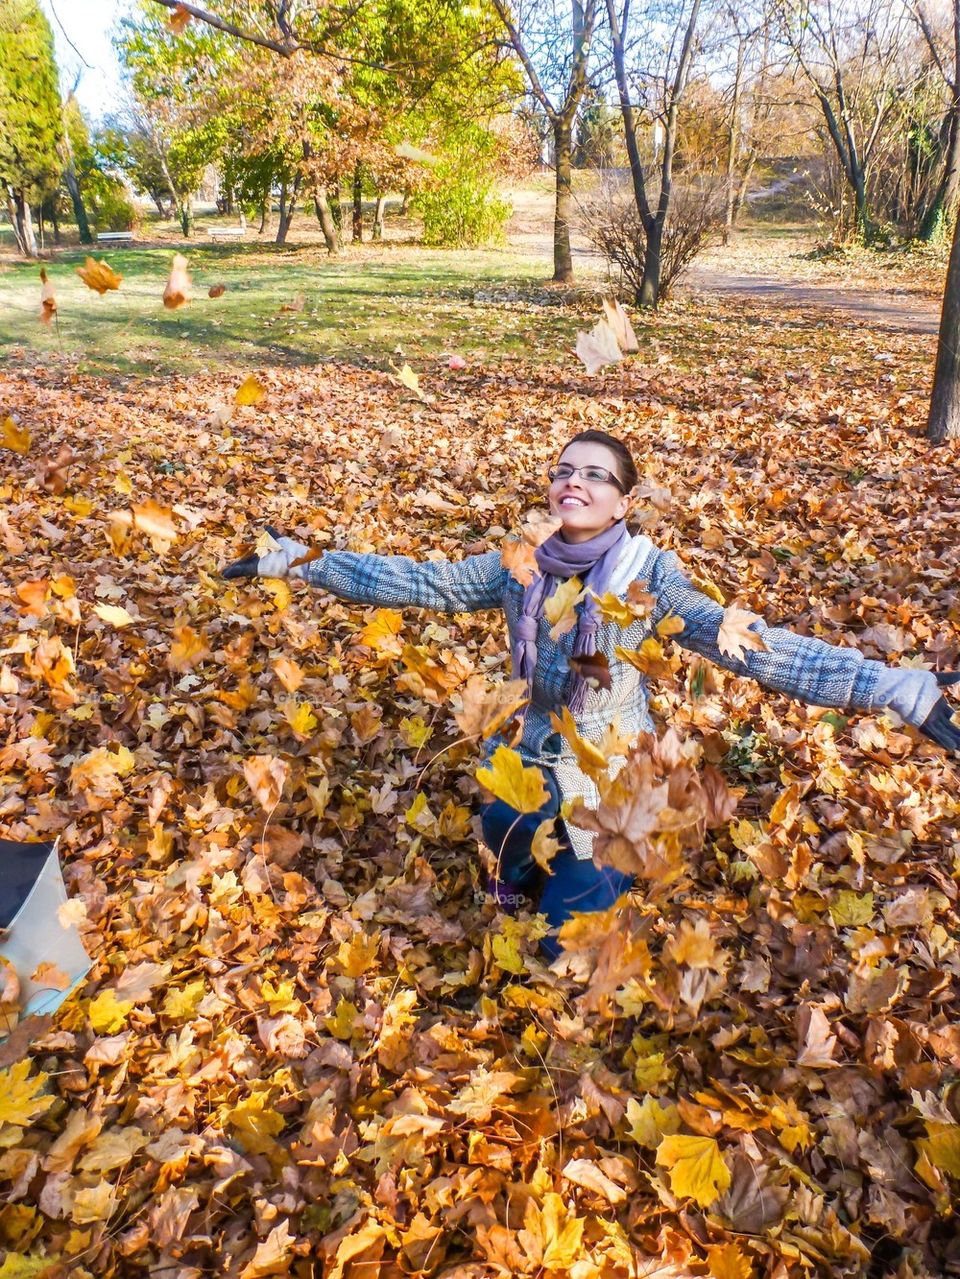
805, 668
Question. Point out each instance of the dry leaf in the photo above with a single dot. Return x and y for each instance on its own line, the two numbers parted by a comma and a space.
178, 288
99, 276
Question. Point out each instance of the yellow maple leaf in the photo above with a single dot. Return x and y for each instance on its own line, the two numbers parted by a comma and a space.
651, 1120
14, 437
114, 615
726, 1261
552, 1236
590, 758
157, 522
181, 1004
19, 1265
509, 779
544, 846
696, 1167
942, 1147
279, 998
341, 1024
21, 1101
670, 625
108, 1013
188, 649
98, 276
382, 631
300, 717
256, 1123
560, 609
356, 955
251, 391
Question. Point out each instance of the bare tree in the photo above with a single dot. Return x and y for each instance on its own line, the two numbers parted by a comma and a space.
850, 51
944, 421
663, 87
933, 221
554, 54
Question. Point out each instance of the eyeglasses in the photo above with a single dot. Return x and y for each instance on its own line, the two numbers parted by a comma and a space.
593, 474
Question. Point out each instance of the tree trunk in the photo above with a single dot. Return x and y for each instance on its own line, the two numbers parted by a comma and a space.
933, 222
325, 218
185, 214
378, 217
733, 146
740, 194
405, 202
22, 221
357, 235
265, 212
649, 293
563, 147
944, 420
335, 200
287, 210
76, 199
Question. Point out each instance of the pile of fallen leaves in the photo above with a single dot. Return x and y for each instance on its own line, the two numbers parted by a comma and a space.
309, 1045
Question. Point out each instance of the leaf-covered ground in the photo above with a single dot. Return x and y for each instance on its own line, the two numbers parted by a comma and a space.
308, 1045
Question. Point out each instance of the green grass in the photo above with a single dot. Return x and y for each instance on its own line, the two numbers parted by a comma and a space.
357, 307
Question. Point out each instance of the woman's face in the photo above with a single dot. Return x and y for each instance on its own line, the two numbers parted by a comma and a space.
587, 507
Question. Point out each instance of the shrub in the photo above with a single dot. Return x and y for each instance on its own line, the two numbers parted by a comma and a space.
461, 209
114, 210
694, 219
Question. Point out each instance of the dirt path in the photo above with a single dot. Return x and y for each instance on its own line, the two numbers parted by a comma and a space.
879, 308
766, 269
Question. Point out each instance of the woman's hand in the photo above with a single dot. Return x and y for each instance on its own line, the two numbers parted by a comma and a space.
279, 563
939, 725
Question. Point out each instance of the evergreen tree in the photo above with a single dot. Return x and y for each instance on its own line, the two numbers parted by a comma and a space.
30, 114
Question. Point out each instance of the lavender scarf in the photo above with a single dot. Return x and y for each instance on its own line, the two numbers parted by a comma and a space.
592, 562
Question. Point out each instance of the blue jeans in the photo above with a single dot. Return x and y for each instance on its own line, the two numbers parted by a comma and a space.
573, 884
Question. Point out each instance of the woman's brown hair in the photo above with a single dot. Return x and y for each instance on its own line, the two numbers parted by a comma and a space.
626, 467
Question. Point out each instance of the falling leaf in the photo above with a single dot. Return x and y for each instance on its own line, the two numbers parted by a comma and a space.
456, 362
157, 522
48, 301
544, 846
518, 785
14, 437
487, 707
616, 318
189, 649
296, 305
179, 19
560, 608
598, 347
590, 758
406, 377
98, 276
216, 290
594, 669
520, 560
251, 391
178, 288
735, 636
696, 1168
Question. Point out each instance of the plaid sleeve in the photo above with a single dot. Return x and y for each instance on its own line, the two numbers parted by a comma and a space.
808, 669
466, 586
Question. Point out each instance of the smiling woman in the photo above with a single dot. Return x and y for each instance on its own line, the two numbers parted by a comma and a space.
590, 494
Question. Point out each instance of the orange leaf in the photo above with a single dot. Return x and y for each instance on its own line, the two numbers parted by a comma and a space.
179, 285
266, 776
179, 19
735, 636
99, 276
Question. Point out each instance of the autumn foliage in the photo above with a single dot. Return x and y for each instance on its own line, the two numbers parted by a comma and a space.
309, 1045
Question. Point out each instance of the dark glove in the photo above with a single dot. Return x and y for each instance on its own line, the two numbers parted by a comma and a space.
278, 563
939, 725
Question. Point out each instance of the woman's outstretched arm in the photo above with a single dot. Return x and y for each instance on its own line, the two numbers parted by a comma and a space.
446, 586
806, 668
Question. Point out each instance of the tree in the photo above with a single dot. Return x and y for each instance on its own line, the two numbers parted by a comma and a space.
555, 53
75, 139
933, 220
944, 420
666, 85
849, 51
30, 114
169, 75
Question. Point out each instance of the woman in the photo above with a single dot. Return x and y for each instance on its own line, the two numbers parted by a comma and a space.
590, 491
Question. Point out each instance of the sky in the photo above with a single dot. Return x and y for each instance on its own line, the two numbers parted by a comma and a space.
87, 24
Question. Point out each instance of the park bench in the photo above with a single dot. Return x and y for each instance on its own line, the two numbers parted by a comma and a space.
114, 235
225, 232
